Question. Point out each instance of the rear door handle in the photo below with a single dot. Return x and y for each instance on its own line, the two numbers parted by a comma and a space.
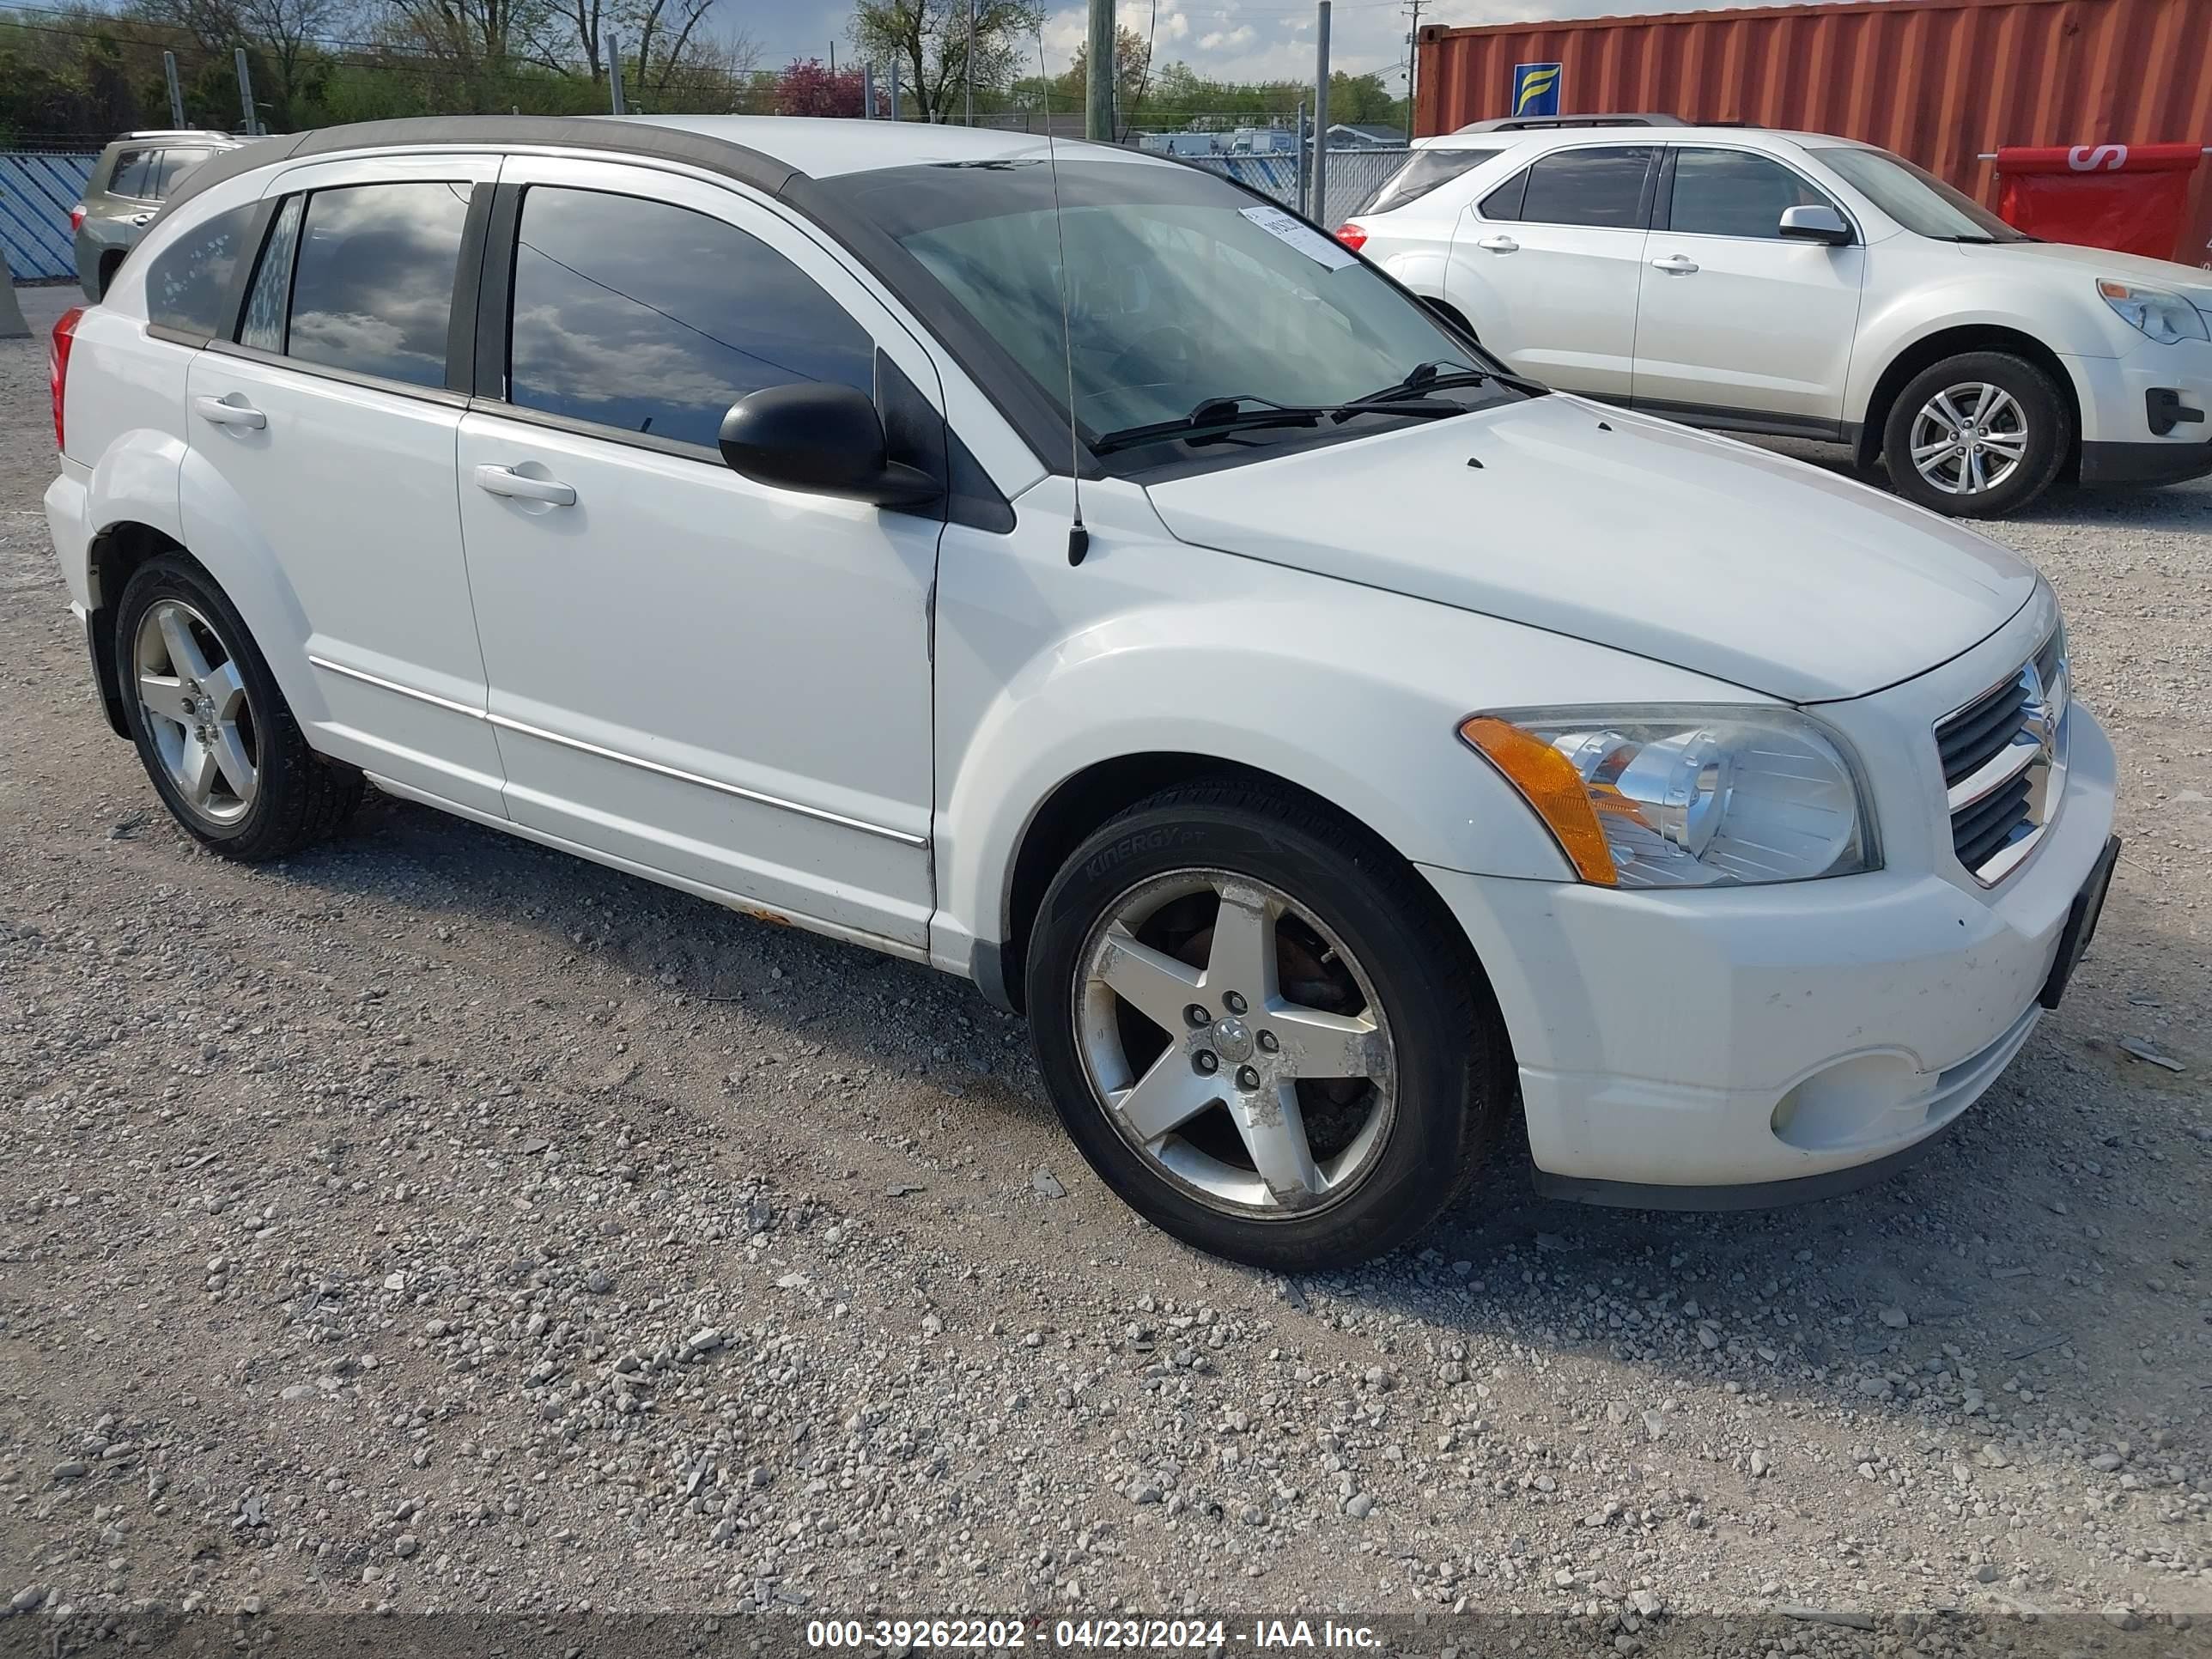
505, 480
222, 412
1675, 264
1500, 244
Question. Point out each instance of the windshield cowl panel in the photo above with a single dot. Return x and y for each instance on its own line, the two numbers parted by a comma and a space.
1151, 291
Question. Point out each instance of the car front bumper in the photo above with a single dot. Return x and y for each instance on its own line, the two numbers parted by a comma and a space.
2125, 400
1702, 1048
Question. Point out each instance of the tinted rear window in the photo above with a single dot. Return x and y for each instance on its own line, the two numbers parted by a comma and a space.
188, 286
171, 164
1426, 170
1597, 187
133, 170
373, 290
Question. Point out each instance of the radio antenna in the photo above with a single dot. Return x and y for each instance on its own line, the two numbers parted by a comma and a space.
1079, 538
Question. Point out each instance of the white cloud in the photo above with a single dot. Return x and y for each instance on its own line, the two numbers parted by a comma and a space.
1220, 38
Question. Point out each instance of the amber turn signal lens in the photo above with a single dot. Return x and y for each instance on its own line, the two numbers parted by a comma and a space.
1547, 781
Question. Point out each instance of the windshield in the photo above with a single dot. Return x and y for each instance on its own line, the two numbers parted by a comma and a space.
1917, 199
1182, 289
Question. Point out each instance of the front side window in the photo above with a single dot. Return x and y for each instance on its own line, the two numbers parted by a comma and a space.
1181, 290
1601, 188
373, 288
188, 285
169, 166
1732, 193
654, 319
1916, 198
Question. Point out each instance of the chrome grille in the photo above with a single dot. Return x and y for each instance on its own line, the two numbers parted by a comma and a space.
2004, 764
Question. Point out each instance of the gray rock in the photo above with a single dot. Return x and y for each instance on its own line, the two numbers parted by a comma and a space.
1360, 1506
29, 1599
1049, 1184
1896, 1318
598, 1282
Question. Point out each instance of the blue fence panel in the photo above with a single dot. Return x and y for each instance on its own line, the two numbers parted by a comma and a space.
36, 194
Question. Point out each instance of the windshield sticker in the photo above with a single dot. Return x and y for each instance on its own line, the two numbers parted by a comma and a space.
1324, 251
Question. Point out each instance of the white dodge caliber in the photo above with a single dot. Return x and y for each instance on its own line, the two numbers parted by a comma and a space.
1077, 573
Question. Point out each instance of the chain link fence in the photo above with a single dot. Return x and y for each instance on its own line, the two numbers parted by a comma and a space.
1354, 176
36, 193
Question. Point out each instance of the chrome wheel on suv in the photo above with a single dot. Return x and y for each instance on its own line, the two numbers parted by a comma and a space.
1969, 439
1978, 436
1236, 1044
1261, 1027
192, 700
212, 727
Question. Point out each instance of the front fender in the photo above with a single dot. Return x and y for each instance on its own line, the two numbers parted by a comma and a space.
1889, 330
1155, 646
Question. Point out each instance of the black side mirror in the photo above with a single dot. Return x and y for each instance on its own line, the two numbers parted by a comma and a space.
822, 437
1820, 223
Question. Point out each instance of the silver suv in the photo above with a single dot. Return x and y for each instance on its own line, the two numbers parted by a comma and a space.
129, 182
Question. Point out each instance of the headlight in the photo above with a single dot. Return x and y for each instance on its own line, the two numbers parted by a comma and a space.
2167, 318
1685, 796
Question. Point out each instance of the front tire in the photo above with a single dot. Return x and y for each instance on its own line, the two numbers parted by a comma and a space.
214, 733
1262, 1030
1978, 436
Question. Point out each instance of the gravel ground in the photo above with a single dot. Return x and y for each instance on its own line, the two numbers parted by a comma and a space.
436, 1222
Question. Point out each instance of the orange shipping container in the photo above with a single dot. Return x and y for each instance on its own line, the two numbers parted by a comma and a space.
1942, 82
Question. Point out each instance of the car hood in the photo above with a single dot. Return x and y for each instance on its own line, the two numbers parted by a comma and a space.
2094, 262
1626, 532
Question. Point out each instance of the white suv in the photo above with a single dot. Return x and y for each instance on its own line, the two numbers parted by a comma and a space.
1810, 287
1311, 733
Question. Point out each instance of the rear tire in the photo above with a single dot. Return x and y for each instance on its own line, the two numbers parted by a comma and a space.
1978, 436
213, 731
1321, 1114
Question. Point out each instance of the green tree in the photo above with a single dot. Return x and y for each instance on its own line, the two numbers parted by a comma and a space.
929, 39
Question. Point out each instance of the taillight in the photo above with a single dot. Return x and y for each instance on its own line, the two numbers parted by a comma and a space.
57, 357
76, 217
1351, 236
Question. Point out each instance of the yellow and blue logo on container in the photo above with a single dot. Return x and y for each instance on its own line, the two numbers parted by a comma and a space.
1535, 89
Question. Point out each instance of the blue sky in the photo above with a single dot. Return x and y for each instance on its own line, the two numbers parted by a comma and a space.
1236, 40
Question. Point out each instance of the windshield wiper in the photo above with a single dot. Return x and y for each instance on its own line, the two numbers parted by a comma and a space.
1424, 378
1218, 417
1213, 416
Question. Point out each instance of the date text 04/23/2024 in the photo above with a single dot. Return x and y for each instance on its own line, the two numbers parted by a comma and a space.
1215, 1636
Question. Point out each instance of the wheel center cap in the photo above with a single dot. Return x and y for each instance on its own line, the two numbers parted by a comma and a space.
1232, 1040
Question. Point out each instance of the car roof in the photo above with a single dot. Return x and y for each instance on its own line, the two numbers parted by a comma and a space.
1557, 137
824, 147
778, 155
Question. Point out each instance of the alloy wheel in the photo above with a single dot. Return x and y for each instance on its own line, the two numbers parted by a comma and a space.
1969, 438
192, 700
1234, 1041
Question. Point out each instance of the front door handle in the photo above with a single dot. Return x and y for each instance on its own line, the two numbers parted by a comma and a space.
142, 218
1675, 264
505, 480
1499, 244
223, 412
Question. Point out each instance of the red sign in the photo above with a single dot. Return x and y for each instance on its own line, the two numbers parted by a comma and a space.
2133, 198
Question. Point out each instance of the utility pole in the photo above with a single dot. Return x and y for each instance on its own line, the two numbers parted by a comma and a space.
868, 92
246, 96
894, 81
833, 60
1319, 214
1413, 62
1098, 77
1301, 156
968, 63
176, 91
614, 73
